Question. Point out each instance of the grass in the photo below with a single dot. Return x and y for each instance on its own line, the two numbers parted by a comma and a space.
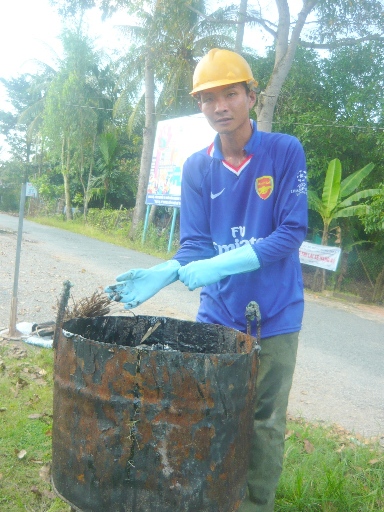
326, 468
330, 470
156, 242
25, 429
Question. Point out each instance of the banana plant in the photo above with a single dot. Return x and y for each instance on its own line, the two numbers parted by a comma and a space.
340, 198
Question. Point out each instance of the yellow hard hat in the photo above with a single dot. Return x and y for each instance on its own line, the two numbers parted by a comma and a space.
221, 67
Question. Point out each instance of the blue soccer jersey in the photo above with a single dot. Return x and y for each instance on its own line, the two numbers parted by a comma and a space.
262, 203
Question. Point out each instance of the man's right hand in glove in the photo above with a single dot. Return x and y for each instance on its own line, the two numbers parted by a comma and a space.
138, 285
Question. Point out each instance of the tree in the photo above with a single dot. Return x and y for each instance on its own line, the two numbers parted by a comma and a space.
373, 217
333, 105
339, 199
106, 165
319, 24
156, 42
353, 81
303, 109
72, 115
11, 176
373, 221
166, 39
16, 127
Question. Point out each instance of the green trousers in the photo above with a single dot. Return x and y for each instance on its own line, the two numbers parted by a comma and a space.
274, 380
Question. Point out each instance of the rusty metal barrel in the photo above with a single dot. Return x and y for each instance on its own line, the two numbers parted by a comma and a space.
152, 414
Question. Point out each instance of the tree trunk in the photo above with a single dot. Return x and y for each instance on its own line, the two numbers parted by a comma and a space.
286, 46
378, 291
148, 142
65, 172
68, 205
343, 268
152, 214
241, 25
87, 190
318, 284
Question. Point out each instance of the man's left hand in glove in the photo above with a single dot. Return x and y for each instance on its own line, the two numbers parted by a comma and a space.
205, 272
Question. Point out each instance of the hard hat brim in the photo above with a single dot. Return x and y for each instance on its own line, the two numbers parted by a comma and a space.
218, 83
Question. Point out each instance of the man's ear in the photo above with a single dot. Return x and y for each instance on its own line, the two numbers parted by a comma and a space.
252, 98
199, 105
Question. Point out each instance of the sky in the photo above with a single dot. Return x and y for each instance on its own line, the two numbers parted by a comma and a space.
29, 30
26, 28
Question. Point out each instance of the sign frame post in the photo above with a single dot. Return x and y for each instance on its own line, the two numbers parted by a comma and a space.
172, 229
145, 223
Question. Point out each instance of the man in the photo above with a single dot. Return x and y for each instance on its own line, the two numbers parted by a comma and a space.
243, 218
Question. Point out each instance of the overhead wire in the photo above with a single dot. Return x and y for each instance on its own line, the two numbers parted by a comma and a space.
349, 127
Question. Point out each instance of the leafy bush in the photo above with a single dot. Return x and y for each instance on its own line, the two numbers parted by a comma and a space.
108, 219
9, 199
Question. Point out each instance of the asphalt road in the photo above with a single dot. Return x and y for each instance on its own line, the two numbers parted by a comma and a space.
339, 377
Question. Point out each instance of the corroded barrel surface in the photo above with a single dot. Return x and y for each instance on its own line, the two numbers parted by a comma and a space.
152, 414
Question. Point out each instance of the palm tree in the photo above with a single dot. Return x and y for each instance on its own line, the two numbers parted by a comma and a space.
167, 38
106, 165
72, 114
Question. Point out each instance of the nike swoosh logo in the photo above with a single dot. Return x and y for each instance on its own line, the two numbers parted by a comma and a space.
213, 196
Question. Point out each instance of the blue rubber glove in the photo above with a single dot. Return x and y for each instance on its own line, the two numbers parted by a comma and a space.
205, 272
138, 285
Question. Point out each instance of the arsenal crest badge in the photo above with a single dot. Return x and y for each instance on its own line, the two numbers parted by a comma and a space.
264, 186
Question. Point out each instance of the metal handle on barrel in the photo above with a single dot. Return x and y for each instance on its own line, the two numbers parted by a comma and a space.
252, 312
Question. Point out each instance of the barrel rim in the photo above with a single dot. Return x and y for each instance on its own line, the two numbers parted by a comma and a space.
251, 339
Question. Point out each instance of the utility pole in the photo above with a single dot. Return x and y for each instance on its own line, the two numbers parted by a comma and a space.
12, 331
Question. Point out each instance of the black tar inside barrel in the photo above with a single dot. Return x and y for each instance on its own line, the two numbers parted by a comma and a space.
158, 333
